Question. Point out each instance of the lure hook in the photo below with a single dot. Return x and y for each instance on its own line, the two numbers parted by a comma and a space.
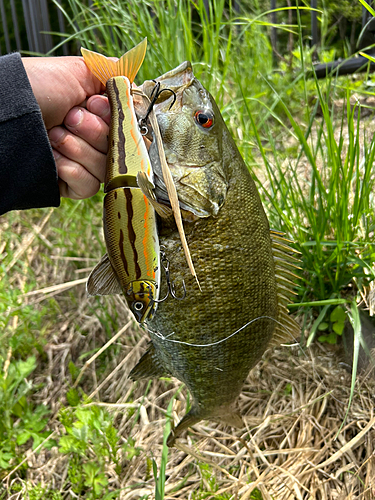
157, 86
155, 96
171, 285
172, 290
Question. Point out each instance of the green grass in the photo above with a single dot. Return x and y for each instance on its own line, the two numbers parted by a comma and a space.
320, 192
304, 143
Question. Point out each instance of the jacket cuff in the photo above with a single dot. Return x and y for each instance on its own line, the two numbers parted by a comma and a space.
28, 176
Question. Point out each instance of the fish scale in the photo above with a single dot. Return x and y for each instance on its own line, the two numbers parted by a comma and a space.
233, 293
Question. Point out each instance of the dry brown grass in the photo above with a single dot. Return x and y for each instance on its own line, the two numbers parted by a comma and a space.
293, 402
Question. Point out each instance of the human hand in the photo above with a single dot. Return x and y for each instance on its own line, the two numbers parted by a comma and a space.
76, 118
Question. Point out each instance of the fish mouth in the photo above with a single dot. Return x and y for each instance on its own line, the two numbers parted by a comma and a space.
181, 76
175, 80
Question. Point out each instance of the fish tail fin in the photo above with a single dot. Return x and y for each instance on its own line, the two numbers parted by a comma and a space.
286, 263
105, 68
231, 418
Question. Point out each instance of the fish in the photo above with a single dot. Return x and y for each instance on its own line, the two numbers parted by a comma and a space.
213, 338
132, 263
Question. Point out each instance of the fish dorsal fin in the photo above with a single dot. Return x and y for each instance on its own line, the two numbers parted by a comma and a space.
285, 259
146, 186
102, 280
105, 68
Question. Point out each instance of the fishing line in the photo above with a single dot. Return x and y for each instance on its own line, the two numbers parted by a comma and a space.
163, 337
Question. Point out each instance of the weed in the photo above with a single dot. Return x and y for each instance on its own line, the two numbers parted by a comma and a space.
335, 327
160, 479
20, 420
90, 441
323, 199
39, 492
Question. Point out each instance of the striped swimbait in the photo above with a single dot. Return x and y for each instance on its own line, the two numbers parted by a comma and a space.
132, 262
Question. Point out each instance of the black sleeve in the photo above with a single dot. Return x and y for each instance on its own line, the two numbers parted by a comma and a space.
28, 177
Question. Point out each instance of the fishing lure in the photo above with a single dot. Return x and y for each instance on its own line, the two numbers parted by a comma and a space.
132, 262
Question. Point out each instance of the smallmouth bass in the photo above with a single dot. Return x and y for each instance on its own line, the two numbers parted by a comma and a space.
213, 338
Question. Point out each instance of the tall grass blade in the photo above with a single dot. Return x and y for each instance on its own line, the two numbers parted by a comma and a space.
355, 321
160, 479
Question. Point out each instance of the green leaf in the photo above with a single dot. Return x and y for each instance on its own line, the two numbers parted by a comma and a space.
323, 326
330, 339
18, 408
317, 322
355, 321
23, 437
38, 439
26, 367
84, 415
338, 315
80, 432
68, 444
50, 443
338, 328
95, 478
5, 458
74, 371
72, 396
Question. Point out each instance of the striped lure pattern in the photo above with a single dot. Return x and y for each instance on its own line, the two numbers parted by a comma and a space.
129, 219
132, 263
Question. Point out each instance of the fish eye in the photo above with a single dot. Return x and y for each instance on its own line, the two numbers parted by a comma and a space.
138, 306
204, 118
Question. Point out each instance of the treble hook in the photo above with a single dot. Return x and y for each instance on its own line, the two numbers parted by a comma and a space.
172, 289
142, 122
171, 285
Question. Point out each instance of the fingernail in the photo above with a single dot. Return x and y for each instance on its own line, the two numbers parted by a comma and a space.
100, 107
74, 117
56, 134
56, 155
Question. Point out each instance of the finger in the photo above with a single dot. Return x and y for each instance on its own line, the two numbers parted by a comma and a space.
90, 127
74, 180
78, 151
99, 105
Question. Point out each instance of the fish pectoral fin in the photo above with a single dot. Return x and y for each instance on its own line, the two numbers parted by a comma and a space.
105, 68
148, 366
188, 216
146, 186
102, 280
